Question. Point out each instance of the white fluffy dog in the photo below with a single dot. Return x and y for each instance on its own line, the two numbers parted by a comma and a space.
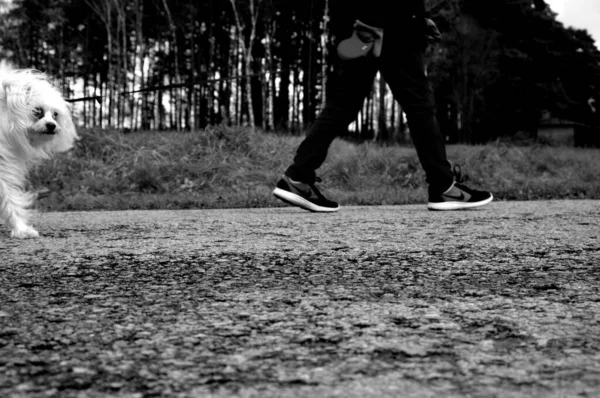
35, 123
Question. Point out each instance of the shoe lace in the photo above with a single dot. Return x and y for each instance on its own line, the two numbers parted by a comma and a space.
314, 188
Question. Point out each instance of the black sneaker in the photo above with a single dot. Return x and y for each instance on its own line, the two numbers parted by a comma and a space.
459, 196
303, 195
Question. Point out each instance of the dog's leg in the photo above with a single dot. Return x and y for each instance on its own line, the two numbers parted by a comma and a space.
13, 207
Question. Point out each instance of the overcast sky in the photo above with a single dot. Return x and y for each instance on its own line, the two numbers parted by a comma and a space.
581, 14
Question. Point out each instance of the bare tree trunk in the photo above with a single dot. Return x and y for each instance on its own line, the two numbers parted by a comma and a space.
97, 117
137, 109
265, 101
247, 49
175, 50
308, 70
270, 78
110, 80
296, 104
324, 39
86, 106
160, 110
282, 102
392, 127
271, 94
238, 89
172, 102
210, 86
402, 125
122, 72
382, 118
104, 11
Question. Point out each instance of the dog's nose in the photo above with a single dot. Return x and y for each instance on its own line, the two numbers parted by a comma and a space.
50, 127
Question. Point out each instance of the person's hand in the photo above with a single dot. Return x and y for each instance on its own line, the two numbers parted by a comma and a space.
367, 33
432, 33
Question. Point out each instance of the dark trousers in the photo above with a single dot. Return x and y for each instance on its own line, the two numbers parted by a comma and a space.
349, 86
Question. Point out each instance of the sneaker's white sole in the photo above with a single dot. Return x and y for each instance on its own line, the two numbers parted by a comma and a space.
299, 201
458, 205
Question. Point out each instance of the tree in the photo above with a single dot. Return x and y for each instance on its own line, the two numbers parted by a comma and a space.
246, 39
190, 63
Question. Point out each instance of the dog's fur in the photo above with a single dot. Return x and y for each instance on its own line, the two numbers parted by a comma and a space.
35, 123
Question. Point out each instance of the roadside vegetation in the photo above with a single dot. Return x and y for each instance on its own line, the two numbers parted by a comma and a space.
228, 168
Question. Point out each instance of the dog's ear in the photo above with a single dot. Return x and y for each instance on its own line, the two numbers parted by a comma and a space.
17, 96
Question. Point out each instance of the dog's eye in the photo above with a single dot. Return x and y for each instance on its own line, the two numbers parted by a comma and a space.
38, 112
55, 115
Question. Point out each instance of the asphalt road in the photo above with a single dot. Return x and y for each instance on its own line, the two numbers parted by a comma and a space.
391, 301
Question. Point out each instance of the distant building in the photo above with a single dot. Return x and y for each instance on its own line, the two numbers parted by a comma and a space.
562, 132
556, 131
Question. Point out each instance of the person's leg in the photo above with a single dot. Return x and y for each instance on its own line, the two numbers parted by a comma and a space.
347, 90
406, 77
405, 74
345, 97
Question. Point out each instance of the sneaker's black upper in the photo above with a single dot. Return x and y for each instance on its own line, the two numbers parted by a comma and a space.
303, 194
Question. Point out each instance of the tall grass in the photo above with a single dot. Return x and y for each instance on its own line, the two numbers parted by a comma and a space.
221, 167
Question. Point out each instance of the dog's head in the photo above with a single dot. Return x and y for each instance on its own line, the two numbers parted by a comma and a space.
33, 113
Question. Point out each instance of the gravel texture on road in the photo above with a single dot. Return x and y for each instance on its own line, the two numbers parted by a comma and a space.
390, 301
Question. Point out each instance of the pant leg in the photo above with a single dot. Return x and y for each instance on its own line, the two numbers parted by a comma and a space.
404, 71
347, 90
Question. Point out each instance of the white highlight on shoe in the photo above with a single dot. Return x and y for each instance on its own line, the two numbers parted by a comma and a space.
449, 189
299, 201
459, 205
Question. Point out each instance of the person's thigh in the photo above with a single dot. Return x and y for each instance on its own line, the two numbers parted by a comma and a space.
349, 85
405, 74
346, 93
